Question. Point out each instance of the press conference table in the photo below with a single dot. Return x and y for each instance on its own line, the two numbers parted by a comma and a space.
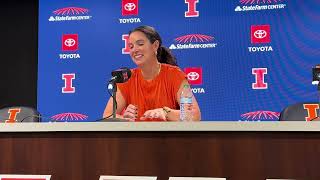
235, 150
160, 126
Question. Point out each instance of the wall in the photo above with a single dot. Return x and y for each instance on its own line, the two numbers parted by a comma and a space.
19, 51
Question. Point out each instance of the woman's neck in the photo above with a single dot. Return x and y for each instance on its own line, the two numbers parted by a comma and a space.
150, 71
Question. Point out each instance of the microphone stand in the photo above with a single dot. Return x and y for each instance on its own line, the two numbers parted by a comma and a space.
114, 104
114, 99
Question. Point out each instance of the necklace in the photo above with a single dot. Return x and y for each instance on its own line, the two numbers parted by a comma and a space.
159, 69
153, 74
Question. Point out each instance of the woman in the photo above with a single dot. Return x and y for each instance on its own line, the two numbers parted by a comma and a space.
153, 91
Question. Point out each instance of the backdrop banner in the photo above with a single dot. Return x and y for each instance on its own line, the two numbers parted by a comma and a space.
246, 60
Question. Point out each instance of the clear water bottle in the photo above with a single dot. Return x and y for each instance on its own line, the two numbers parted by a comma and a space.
186, 103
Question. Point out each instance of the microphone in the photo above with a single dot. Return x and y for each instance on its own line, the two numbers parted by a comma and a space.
120, 75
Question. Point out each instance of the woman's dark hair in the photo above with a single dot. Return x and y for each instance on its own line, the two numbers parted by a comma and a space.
164, 54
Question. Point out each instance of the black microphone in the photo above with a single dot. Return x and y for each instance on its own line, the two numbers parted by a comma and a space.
120, 75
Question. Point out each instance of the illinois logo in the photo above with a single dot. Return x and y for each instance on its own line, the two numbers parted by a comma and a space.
193, 41
258, 5
260, 116
311, 111
259, 74
69, 117
13, 115
68, 81
126, 49
70, 14
191, 12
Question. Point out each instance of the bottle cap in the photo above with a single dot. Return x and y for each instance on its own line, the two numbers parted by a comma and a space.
186, 85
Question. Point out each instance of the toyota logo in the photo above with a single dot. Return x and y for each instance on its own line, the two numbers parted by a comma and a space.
259, 34
129, 6
69, 42
192, 76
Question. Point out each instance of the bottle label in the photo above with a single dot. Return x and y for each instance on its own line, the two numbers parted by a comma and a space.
186, 100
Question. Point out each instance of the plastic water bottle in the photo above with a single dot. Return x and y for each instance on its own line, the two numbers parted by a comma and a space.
186, 103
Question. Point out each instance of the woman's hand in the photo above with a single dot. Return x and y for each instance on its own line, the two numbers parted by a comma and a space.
131, 113
158, 113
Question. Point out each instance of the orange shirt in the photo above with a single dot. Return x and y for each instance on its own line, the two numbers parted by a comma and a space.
156, 93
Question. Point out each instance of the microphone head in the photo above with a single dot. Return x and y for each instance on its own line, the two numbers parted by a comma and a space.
121, 75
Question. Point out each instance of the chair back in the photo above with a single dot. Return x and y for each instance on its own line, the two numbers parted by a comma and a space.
304, 111
19, 114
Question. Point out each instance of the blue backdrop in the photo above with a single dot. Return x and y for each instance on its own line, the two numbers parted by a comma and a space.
245, 59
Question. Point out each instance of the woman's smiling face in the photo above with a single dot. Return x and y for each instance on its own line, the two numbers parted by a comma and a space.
141, 49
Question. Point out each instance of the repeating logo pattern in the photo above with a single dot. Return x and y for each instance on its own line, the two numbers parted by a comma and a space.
126, 49
259, 1
259, 74
71, 11
192, 44
194, 75
70, 42
194, 38
260, 5
191, 12
69, 117
130, 7
68, 83
70, 14
311, 110
13, 115
70, 46
260, 116
260, 34
193, 41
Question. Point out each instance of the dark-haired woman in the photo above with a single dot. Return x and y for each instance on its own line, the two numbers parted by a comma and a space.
153, 91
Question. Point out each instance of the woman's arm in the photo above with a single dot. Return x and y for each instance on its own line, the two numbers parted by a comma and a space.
174, 115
